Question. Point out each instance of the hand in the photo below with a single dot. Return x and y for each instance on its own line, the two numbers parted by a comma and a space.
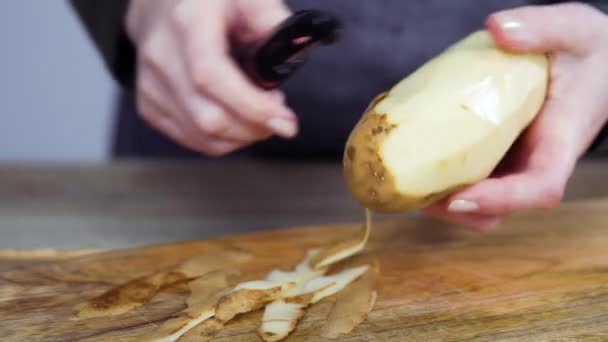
189, 87
535, 172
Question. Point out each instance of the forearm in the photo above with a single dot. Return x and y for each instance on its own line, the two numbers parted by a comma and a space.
104, 22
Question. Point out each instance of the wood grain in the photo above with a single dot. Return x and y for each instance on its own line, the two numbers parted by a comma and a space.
541, 277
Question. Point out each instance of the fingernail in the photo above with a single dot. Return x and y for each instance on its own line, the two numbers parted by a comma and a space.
283, 127
462, 206
513, 27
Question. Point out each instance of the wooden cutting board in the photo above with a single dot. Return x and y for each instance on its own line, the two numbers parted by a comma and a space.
540, 277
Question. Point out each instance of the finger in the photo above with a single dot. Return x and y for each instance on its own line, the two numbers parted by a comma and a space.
582, 98
173, 88
211, 119
503, 196
545, 29
476, 222
214, 121
157, 107
214, 73
560, 134
552, 141
222, 81
159, 119
218, 147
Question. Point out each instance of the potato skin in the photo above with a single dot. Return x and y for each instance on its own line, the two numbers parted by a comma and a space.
371, 184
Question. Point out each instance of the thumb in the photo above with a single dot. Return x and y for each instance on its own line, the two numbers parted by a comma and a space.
570, 27
260, 17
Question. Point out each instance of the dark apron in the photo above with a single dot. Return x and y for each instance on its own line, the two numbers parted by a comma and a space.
382, 42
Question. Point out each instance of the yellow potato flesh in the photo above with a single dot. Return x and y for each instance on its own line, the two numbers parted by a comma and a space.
445, 126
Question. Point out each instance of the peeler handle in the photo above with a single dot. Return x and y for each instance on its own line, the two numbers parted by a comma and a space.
270, 62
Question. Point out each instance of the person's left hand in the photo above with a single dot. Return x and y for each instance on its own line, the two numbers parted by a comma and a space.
536, 170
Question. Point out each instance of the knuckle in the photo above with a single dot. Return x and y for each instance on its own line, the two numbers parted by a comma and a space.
585, 12
143, 109
149, 111
552, 197
211, 123
582, 8
214, 151
150, 118
204, 74
258, 113
186, 13
179, 17
150, 58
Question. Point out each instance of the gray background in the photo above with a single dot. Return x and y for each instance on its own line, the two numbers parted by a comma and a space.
56, 98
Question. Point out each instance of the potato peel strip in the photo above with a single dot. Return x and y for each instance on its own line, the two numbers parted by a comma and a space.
345, 249
284, 295
281, 316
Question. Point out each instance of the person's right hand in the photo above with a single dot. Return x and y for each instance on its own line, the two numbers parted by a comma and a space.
188, 85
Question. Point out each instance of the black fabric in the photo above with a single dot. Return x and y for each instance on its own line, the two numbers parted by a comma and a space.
383, 41
104, 21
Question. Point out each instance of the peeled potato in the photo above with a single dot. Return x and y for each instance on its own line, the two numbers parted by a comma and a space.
445, 126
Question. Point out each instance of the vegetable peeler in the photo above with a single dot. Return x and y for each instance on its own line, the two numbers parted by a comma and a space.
271, 61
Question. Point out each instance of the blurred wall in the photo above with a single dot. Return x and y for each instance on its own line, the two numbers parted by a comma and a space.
56, 98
